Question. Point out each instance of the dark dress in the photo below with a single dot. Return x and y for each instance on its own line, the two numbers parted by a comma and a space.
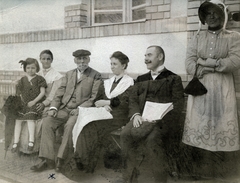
92, 136
29, 91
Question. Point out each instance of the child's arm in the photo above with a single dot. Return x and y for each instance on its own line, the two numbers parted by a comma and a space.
39, 97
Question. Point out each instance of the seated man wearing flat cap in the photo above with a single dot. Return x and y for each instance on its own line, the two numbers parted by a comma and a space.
79, 88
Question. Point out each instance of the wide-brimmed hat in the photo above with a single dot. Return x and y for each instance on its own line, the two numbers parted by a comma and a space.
217, 5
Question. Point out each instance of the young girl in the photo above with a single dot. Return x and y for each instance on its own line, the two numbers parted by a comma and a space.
31, 88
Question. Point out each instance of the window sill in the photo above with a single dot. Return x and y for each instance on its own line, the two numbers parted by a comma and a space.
99, 25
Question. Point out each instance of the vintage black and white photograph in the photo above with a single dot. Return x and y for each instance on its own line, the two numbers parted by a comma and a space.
119, 91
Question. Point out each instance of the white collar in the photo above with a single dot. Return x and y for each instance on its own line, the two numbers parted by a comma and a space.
157, 71
118, 77
82, 71
124, 84
46, 70
159, 68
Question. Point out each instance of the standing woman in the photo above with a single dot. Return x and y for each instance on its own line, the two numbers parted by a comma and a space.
211, 121
113, 96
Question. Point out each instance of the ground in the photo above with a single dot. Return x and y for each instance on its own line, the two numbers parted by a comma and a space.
15, 168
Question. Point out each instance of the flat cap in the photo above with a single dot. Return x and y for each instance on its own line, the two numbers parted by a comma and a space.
79, 53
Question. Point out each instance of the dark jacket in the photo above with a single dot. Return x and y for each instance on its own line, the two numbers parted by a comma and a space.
118, 104
168, 88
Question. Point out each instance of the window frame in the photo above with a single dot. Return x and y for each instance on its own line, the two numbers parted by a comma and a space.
126, 11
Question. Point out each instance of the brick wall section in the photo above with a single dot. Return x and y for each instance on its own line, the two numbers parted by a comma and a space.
75, 16
158, 20
145, 27
158, 9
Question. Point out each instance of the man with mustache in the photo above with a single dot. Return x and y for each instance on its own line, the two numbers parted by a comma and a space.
79, 88
162, 86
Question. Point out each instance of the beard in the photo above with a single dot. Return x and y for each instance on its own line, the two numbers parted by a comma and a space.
82, 67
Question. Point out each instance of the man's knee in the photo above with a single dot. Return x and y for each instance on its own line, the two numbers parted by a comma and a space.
70, 123
126, 132
47, 122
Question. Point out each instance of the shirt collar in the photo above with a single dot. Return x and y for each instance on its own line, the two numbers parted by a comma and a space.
46, 70
118, 77
158, 70
215, 32
81, 72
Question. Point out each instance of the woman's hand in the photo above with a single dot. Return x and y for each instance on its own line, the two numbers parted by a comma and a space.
201, 62
108, 108
210, 62
102, 103
206, 70
74, 112
31, 103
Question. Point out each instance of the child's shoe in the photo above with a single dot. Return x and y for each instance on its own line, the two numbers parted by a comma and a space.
30, 146
14, 148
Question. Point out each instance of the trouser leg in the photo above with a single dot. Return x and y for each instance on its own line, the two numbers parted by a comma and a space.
156, 154
49, 126
66, 146
128, 146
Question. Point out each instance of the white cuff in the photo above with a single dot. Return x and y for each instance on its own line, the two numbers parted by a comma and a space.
53, 108
134, 115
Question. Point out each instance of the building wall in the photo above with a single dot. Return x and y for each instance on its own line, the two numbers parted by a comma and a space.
64, 26
165, 25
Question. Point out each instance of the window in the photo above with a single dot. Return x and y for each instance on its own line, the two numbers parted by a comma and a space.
117, 11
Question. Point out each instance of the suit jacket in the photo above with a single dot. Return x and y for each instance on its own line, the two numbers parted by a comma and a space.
89, 84
168, 88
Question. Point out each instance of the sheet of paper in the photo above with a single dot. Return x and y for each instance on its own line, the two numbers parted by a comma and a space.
87, 115
155, 111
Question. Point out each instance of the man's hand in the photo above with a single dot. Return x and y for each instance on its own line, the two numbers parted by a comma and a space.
74, 112
52, 113
137, 121
40, 106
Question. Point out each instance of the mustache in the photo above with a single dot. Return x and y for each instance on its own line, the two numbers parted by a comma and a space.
81, 64
148, 61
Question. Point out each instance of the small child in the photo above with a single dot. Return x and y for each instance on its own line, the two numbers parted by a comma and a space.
31, 88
